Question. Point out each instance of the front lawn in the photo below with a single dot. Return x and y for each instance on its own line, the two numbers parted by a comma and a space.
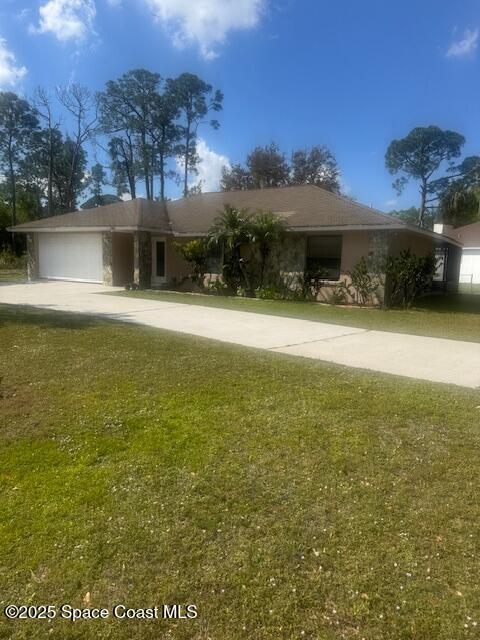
12, 274
454, 316
286, 498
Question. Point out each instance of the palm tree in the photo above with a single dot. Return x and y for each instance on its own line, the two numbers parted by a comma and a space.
230, 230
266, 230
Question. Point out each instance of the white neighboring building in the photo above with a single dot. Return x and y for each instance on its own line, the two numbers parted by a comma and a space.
469, 236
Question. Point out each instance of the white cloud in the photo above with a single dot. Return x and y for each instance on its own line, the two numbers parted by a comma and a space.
392, 203
465, 46
66, 19
10, 72
114, 3
209, 168
205, 23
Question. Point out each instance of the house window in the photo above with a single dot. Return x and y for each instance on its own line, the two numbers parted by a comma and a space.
324, 255
160, 259
214, 259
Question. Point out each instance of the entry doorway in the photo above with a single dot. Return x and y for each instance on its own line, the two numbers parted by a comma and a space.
159, 273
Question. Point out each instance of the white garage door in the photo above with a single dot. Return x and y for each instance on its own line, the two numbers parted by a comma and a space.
70, 256
470, 267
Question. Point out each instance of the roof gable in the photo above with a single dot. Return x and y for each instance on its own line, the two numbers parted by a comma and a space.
469, 235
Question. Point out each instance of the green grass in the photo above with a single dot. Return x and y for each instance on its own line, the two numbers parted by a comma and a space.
12, 274
286, 498
454, 316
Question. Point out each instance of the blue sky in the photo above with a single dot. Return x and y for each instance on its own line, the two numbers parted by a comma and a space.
349, 74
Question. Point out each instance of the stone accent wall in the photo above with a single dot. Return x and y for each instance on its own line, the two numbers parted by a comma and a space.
285, 263
142, 259
107, 258
32, 256
377, 256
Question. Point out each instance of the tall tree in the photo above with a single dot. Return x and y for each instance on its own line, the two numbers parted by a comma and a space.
18, 120
235, 178
43, 105
166, 133
459, 205
266, 230
82, 105
419, 156
124, 164
128, 112
98, 179
195, 99
268, 167
315, 166
64, 183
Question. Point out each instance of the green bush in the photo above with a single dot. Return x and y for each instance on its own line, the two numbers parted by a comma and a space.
408, 276
218, 287
195, 254
271, 292
312, 283
9, 260
364, 283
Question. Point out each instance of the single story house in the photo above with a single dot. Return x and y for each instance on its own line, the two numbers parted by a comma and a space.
469, 236
134, 241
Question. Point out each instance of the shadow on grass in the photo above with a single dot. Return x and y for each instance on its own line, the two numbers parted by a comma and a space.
19, 314
450, 303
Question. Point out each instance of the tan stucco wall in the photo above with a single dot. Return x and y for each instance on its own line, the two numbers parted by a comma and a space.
355, 245
419, 245
176, 267
122, 259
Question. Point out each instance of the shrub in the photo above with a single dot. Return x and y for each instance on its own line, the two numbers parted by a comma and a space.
218, 287
312, 283
266, 230
271, 292
409, 276
230, 231
9, 260
363, 284
195, 254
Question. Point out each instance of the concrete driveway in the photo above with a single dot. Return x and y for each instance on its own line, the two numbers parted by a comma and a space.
433, 359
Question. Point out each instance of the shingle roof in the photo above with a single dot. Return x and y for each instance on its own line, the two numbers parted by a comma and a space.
133, 214
469, 234
304, 207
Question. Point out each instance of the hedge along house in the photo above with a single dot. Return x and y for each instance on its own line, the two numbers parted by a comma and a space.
134, 241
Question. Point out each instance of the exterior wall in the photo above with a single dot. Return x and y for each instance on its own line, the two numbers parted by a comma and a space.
142, 259
32, 256
107, 258
453, 267
355, 245
422, 246
176, 268
418, 244
470, 267
122, 259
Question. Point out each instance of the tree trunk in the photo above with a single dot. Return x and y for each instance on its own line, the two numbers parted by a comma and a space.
423, 203
146, 170
50, 173
187, 156
162, 174
13, 188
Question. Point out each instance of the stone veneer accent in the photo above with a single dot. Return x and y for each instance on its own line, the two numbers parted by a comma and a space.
107, 258
377, 256
32, 257
142, 259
